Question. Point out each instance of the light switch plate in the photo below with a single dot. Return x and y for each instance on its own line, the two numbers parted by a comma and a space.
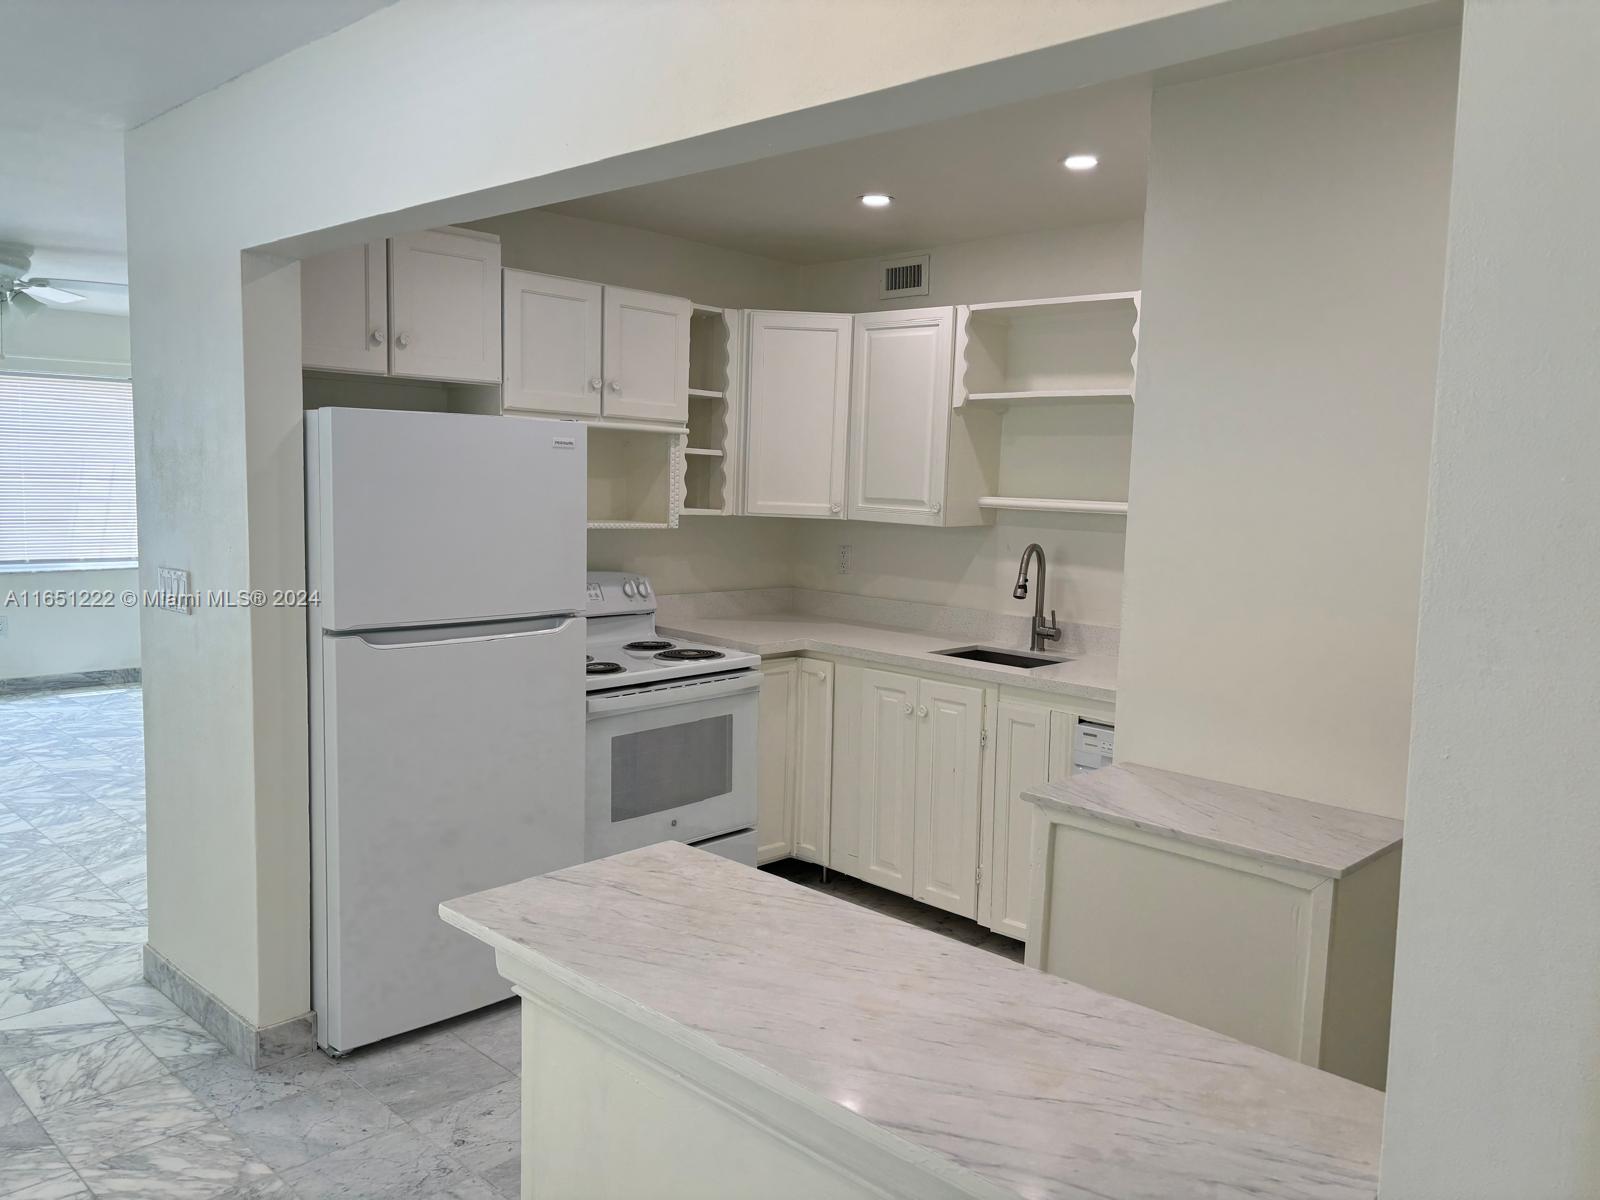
173, 590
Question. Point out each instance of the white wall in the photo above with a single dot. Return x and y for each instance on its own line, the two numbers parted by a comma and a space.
1293, 265
1021, 266
59, 341
1494, 1060
704, 554
66, 639
638, 258
414, 117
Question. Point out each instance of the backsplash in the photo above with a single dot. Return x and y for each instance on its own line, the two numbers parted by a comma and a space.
958, 624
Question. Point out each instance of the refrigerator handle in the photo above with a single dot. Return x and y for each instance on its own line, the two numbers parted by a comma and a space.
445, 635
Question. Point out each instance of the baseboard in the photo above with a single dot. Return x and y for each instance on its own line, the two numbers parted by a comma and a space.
29, 684
254, 1045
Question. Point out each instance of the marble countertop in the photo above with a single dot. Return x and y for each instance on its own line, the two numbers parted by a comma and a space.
1090, 676
1321, 838
1003, 1076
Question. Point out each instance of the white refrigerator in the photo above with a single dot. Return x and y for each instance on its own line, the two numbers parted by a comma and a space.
446, 554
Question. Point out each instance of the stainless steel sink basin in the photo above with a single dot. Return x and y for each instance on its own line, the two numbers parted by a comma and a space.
1025, 659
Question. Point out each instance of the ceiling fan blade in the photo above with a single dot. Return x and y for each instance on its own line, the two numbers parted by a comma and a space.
40, 289
20, 306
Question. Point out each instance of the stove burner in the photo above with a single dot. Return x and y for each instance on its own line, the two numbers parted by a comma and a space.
688, 654
656, 644
601, 668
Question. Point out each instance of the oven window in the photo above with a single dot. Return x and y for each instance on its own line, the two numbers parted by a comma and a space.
659, 769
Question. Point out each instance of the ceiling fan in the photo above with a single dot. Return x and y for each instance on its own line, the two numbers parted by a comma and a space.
25, 295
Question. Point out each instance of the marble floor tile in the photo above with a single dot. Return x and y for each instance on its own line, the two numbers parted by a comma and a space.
483, 1132
204, 1163
227, 1086
94, 1130
324, 1116
67, 1186
495, 1032
391, 1166
83, 1072
33, 979
425, 1071
69, 1026
165, 1029
106, 968
28, 1158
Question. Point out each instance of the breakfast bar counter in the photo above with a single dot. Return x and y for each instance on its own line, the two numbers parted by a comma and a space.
693, 1027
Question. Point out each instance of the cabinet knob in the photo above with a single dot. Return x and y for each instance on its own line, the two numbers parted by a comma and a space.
402, 340
922, 710
937, 507
908, 710
376, 337
594, 385
614, 386
833, 508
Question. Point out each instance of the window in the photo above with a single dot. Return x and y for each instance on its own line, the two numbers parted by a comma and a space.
66, 471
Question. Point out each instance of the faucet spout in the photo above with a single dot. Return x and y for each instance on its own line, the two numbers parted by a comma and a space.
1041, 630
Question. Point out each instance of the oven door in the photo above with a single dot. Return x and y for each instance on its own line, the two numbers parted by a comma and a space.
671, 762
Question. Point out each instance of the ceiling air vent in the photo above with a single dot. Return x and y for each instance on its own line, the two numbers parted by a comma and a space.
903, 277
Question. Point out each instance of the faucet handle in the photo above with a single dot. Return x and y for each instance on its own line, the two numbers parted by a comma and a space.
1052, 630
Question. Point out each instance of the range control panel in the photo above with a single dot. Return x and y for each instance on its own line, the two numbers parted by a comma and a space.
612, 593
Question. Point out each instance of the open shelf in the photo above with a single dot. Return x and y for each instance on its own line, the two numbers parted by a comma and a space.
634, 475
1059, 348
1111, 508
709, 456
1050, 395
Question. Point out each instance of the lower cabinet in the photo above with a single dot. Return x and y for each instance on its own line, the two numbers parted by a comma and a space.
1033, 745
794, 760
909, 784
775, 761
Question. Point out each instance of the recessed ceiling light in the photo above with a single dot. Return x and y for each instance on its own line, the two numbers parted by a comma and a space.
877, 200
1080, 162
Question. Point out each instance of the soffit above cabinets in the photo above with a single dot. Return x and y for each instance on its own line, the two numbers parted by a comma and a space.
986, 174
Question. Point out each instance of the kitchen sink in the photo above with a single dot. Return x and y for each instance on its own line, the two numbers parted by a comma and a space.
1025, 659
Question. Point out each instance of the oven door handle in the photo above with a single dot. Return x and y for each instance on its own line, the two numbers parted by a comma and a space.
663, 695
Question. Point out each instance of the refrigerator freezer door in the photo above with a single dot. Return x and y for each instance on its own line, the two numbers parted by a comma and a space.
418, 518
448, 766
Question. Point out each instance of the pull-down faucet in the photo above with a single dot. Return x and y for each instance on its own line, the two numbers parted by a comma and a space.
1042, 630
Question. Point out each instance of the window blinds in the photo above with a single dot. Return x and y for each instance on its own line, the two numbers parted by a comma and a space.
66, 471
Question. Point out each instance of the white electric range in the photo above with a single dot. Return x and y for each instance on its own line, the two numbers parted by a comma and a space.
671, 734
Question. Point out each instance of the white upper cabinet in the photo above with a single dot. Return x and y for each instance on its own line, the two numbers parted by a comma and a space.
797, 405
444, 306
553, 345
344, 310
646, 356
900, 415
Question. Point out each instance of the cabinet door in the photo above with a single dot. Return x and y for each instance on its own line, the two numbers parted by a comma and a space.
444, 306
886, 778
900, 416
775, 762
344, 310
949, 802
813, 759
797, 408
552, 344
1021, 760
646, 356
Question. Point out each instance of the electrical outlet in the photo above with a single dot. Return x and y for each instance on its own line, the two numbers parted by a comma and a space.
5, 626
844, 559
